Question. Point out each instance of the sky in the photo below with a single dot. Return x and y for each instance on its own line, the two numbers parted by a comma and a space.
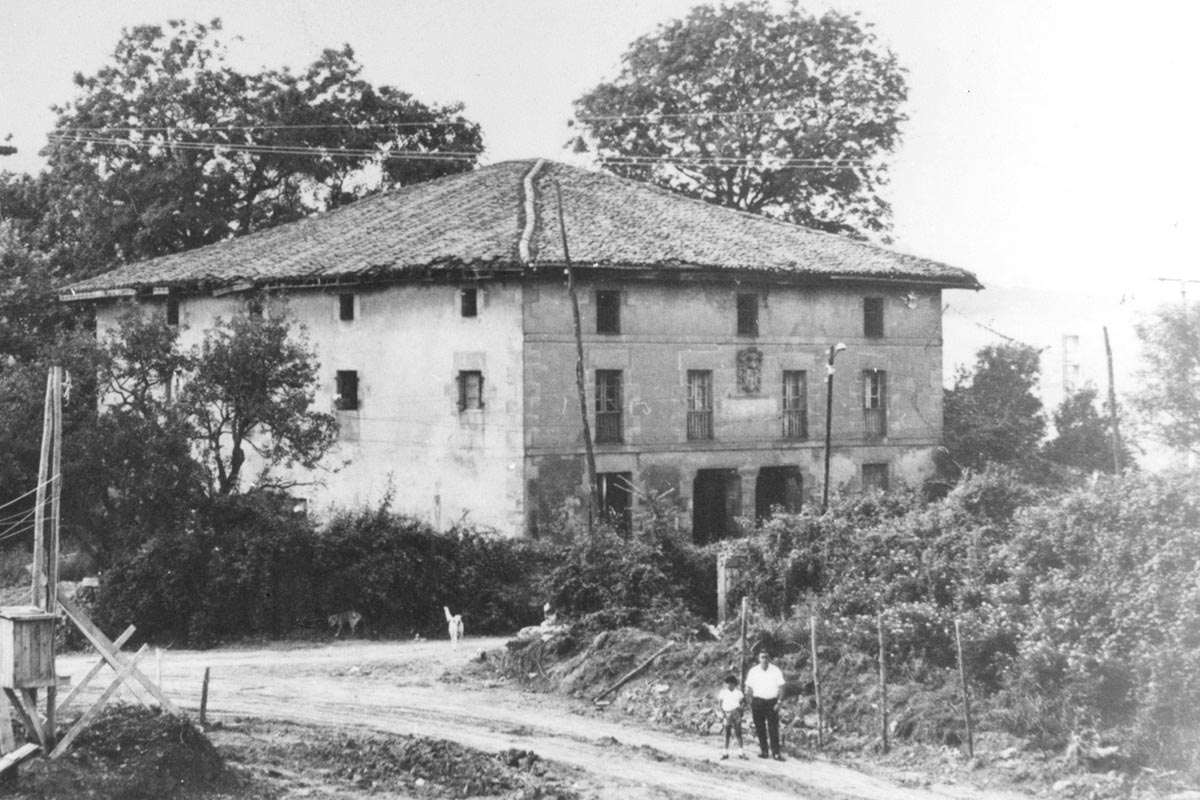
1049, 144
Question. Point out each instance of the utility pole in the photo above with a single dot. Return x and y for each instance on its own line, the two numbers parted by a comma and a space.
833, 351
1112, 407
593, 490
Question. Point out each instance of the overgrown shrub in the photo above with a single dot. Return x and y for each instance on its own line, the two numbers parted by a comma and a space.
399, 573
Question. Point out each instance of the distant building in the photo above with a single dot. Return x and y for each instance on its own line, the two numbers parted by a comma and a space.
441, 318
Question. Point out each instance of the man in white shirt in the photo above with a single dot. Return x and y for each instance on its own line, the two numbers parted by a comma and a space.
764, 682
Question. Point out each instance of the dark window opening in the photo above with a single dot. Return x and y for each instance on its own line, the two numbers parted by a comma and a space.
616, 499
347, 390
778, 488
345, 307
470, 390
255, 307
875, 403
874, 478
873, 317
470, 302
699, 404
795, 404
608, 406
716, 505
172, 311
608, 312
747, 315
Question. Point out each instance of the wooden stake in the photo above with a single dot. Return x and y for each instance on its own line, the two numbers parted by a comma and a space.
633, 672
966, 694
204, 700
812, 638
883, 709
744, 624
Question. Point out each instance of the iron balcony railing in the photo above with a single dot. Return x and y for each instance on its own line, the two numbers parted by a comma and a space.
875, 423
700, 425
608, 426
795, 424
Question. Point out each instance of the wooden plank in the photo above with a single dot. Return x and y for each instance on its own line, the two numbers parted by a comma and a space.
21, 754
106, 648
8, 740
29, 696
127, 671
18, 708
633, 672
93, 672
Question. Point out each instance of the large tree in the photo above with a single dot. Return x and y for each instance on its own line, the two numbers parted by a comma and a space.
168, 147
992, 413
784, 114
1168, 399
1083, 438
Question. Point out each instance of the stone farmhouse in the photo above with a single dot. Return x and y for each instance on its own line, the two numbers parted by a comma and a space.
441, 319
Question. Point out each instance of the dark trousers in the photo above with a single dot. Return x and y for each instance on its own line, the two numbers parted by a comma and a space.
766, 722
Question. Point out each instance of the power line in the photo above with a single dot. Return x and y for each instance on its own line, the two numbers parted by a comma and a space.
352, 126
650, 116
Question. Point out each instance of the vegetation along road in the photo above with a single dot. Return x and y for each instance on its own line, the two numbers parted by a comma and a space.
425, 688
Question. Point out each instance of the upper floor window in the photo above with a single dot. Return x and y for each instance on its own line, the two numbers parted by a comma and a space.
608, 312
470, 390
172, 311
747, 315
470, 302
795, 404
254, 307
875, 402
608, 405
345, 307
700, 404
873, 317
347, 390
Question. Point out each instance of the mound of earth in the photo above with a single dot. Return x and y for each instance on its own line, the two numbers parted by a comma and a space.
132, 752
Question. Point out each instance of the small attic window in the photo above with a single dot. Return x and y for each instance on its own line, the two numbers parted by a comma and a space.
346, 307
172, 311
470, 302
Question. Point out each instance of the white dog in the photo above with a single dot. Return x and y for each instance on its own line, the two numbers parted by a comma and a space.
455, 625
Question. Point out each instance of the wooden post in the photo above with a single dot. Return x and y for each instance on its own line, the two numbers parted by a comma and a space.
204, 700
1112, 406
51, 599
966, 694
742, 660
883, 710
812, 637
594, 506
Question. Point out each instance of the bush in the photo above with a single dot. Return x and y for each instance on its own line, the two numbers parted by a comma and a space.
400, 572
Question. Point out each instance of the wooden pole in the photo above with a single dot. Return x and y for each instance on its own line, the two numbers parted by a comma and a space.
883, 710
37, 570
51, 600
633, 672
816, 676
594, 506
1112, 406
966, 694
742, 660
204, 700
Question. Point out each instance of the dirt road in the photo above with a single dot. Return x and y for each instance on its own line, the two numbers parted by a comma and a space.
418, 688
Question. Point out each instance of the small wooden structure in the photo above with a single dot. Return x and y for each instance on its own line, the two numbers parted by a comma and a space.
26, 648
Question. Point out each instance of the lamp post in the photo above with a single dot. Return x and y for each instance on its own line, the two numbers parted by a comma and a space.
833, 351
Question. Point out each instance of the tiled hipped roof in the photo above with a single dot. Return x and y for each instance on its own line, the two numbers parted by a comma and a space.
476, 220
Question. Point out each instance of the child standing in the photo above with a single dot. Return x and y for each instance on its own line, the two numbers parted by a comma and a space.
730, 700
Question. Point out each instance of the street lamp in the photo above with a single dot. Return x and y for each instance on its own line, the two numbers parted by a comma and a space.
833, 351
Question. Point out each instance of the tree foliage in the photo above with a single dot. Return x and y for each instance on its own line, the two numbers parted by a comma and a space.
1084, 438
1168, 399
727, 103
168, 147
992, 413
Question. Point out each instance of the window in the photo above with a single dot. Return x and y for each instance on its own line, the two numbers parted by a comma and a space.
795, 404
470, 390
873, 317
470, 302
875, 402
608, 312
874, 478
254, 307
616, 499
700, 404
608, 405
345, 307
172, 311
747, 315
347, 390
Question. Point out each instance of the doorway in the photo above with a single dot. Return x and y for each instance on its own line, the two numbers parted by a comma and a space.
716, 504
778, 487
616, 499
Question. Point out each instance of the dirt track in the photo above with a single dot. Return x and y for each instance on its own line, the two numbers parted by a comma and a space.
416, 688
